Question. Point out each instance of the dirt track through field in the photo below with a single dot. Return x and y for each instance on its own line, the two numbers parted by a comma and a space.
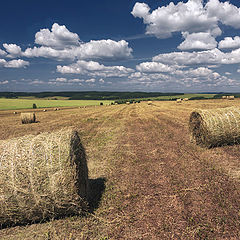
159, 185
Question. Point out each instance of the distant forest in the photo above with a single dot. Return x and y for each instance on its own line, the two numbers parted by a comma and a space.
94, 95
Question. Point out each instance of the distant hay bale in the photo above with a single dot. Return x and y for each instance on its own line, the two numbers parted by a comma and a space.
149, 102
116, 103
42, 177
224, 97
230, 97
185, 99
14, 112
28, 118
44, 110
215, 127
127, 103
179, 100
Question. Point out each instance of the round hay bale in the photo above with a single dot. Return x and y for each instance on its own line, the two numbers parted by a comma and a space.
224, 97
44, 110
179, 100
14, 112
185, 99
28, 118
215, 127
230, 97
42, 177
149, 102
127, 103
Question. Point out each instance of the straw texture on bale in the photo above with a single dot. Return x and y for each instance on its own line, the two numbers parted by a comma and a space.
41, 177
215, 127
28, 118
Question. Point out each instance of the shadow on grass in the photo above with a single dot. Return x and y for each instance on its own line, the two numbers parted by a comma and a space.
96, 189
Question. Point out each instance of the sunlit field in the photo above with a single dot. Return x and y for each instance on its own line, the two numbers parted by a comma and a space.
7, 104
148, 180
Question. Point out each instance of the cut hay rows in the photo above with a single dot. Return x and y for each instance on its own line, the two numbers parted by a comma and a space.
215, 127
41, 177
28, 118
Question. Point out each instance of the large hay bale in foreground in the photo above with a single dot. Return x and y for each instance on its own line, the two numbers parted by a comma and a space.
215, 127
41, 177
28, 118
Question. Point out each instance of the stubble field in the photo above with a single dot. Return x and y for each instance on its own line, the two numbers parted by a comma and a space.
148, 181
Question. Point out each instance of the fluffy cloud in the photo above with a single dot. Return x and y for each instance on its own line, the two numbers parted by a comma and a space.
58, 37
201, 40
214, 56
93, 68
229, 42
191, 16
13, 50
19, 63
225, 12
102, 49
2, 53
153, 67
60, 44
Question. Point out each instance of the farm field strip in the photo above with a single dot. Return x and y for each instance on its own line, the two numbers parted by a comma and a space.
16, 104
158, 185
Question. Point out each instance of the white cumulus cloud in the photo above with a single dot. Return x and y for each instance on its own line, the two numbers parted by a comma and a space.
57, 37
191, 16
200, 41
229, 42
13, 50
19, 63
153, 67
93, 68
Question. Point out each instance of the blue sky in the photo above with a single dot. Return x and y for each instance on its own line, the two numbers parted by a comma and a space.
120, 45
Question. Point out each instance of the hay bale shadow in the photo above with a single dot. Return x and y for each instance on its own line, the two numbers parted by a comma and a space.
96, 189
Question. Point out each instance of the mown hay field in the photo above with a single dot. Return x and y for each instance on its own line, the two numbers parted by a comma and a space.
7, 104
147, 179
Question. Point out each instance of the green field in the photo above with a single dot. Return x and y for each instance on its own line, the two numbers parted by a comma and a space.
12, 104
187, 95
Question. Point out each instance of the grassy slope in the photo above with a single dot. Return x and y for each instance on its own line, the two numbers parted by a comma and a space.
7, 104
158, 185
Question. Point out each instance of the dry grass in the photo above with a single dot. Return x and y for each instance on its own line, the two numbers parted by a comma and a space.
158, 185
42, 177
